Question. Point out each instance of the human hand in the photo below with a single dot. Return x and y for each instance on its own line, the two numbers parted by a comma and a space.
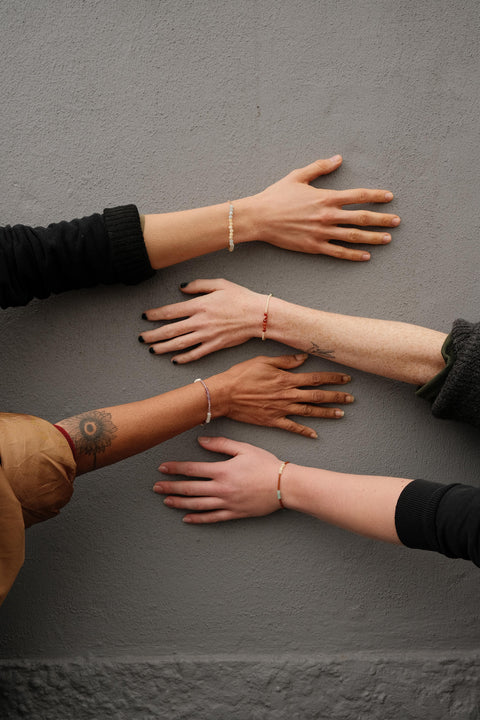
225, 316
296, 216
244, 486
260, 391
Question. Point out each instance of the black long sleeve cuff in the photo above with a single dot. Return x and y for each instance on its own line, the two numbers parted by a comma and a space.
442, 518
35, 262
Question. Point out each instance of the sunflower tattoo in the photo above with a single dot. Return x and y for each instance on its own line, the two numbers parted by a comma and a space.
92, 432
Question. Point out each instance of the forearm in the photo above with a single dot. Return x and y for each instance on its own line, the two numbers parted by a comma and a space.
105, 436
173, 237
364, 504
392, 349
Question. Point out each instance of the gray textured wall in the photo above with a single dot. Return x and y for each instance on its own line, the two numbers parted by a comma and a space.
179, 104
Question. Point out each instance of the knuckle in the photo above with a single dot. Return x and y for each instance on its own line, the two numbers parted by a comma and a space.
363, 218
354, 236
319, 396
307, 410
363, 196
338, 251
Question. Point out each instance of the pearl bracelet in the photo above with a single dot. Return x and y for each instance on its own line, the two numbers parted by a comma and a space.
209, 401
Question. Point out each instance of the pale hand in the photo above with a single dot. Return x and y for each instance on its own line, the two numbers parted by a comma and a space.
244, 486
224, 316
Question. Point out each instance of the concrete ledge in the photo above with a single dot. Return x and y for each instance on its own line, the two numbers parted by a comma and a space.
426, 686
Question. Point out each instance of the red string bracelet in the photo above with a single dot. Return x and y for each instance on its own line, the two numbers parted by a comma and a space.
265, 317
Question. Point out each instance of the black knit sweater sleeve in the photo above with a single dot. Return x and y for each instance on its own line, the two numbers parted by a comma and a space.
455, 391
443, 518
102, 248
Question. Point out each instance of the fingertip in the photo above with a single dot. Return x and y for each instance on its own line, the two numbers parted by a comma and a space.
365, 257
388, 196
336, 159
163, 469
313, 435
151, 350
301, 357
203, 440
346, 378
183, 285
187, 519
144, 316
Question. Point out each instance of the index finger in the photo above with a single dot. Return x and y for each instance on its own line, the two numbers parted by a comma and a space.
188, 468
359, 196
171, 312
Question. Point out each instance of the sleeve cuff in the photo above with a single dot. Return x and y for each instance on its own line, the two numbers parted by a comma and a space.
432, 388
415, 514
129, 254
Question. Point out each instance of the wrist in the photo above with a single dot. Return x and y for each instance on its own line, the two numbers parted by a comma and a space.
220, 394
296, 487
246, 220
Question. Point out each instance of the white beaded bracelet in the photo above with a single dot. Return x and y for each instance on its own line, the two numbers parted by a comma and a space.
231, 244
209, 401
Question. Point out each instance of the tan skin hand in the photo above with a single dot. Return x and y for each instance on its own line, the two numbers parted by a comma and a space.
243, 486
296, 216
261, 391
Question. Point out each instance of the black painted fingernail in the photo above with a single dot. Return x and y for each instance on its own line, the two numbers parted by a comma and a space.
144, 316
182, 285
151, 350
140, 339
174, 362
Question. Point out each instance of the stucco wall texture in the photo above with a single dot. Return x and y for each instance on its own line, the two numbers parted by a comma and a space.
179, 104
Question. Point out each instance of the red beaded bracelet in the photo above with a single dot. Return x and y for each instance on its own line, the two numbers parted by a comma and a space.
265, 317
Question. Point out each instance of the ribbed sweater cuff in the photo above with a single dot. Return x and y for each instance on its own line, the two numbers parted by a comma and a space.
129, 254
415, 514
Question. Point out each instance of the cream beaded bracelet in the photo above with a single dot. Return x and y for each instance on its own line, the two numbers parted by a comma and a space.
209, 401
231, 244
279, 492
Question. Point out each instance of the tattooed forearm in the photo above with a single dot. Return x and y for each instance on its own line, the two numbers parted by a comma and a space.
92, 433
314, 349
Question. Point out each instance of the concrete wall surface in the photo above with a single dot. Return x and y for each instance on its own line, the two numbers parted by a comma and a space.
120, 609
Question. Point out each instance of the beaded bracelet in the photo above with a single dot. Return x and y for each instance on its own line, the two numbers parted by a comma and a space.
279, 492
265, 317
209, 401
231, 244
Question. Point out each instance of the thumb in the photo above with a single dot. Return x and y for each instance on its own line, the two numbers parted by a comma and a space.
201, 286
287, 362
319, 167
221, 445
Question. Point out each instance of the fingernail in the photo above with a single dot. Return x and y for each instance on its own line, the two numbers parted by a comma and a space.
301, 356
174, 362
167, 501
140, 339
163, 469
205, 440
336, 158
386, 238
313, 435
182, 285
388, 196
396, 221
339, 413
365, 256
346, 378
144, 316
151, 350
186, 520
349, 398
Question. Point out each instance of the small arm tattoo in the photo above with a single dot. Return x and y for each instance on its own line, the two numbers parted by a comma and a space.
92, 432
314, 349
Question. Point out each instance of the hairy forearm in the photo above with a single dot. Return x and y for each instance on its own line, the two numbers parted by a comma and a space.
392, 349
173, 237
364, 504
107, 435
